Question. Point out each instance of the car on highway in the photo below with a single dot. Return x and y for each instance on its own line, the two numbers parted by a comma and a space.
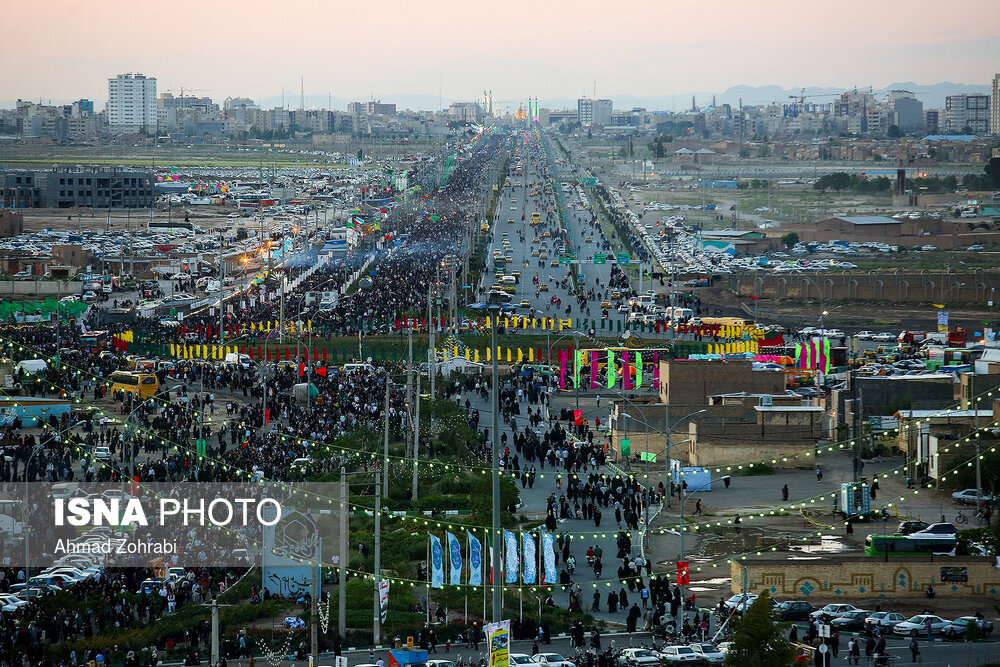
968, 497
543, 287
525, 303
886, 619
959, 628
607, 304
832, 611
851, 621
916, 626
794, 610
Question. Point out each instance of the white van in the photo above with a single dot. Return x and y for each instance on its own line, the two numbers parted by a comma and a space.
368, 368
32, 365
243, 360
62, 490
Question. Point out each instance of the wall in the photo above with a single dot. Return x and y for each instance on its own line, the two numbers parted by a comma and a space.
863, 578
43, 287
714, 444
689, 383
897, 286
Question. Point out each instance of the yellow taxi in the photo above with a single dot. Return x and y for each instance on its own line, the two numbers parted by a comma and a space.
543, 287
543, 255
534, 253
554, 262
606, 304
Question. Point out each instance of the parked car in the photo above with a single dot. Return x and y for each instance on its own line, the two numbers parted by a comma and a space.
832, 611
968, 497
709, 653
937, 529
679, 655
638, 657
852, 620
911, 526
887, 619
959, 628
553, 659
915, 626
520, 659
794, 610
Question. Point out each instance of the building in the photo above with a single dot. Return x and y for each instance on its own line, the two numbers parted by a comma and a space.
967, 114
132, 104
376, 108
905, 110
70, 188
932, 120
995, 106
593, 112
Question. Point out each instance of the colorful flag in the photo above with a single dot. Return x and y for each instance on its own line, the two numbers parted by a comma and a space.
383, 597
611, 369
510, 557
455, 559
638, 370
475, 560
437, 562
548, 558
530, 554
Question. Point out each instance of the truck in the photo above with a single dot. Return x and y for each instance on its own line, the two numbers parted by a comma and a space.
921, 337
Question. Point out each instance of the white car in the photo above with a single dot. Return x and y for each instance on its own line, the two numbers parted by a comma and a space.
554, 659
968, 497
742, 601
831, 611
679, 655
102, 453
916, 626
638, 657
520, 659
709, 653
884, 337
865, 335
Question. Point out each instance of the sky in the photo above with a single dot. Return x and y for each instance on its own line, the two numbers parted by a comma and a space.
66, 49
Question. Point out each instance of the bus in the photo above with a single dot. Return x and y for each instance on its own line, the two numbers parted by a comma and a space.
536, 218
509, 284
144, 385
726, 321
94, 341
910, 545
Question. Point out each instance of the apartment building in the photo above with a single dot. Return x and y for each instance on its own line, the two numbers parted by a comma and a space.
132, 104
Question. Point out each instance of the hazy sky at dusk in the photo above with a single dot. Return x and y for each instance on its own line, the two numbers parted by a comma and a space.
66, 49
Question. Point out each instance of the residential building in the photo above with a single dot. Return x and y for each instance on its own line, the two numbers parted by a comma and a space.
374, 108
932, 120
967, 114
995, 106
71, 188
593, 112
132, 104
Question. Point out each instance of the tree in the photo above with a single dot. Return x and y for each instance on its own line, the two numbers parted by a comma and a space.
992, 171
894, 132
838, 180
790, 239
241, 234
758, 639
744, 152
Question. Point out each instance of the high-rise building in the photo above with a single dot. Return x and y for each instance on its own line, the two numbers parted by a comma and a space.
995, 109
906, 111
593, 112
967, 113
132, 104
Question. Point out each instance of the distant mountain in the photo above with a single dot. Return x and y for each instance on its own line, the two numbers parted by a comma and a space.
932, 95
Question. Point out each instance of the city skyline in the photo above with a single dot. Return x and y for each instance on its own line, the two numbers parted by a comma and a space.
545, 52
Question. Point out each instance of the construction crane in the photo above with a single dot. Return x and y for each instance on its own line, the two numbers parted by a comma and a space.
803, 97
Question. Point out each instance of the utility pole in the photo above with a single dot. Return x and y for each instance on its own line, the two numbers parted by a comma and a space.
317, 590
342, 570
416, 435
377, 627
215, 632
222, 279
385, 462
495, 435
430, 340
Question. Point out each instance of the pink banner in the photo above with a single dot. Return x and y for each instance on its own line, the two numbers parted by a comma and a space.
562, 369
626, 370
593, 370
656, 368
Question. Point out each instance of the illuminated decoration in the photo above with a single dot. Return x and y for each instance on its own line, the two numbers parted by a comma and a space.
521, 114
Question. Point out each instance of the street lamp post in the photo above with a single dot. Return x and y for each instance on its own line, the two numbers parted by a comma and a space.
670, 429
24, 517
684, 498
494, 309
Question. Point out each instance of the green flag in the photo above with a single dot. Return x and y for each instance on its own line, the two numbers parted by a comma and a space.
647, 456
577, 363
638, 370
201, 446
626, 446
611, 369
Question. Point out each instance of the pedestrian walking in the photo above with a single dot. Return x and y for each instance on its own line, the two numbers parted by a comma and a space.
914, 649
819, 474
784, 492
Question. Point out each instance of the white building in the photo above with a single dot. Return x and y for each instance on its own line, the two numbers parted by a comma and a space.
132, 104
995, 110
967, 113
593, 112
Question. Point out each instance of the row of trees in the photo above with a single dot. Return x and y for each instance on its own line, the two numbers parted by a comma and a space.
839, 181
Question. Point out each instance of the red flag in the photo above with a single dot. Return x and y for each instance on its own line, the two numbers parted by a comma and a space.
267, 417
250, 352
287, 354
268, 353
324, 355
577, 417
315, 356
260, 353
302, 369
135, 486
321, 371
683, 574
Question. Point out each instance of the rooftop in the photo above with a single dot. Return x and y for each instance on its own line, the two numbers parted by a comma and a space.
871, 220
